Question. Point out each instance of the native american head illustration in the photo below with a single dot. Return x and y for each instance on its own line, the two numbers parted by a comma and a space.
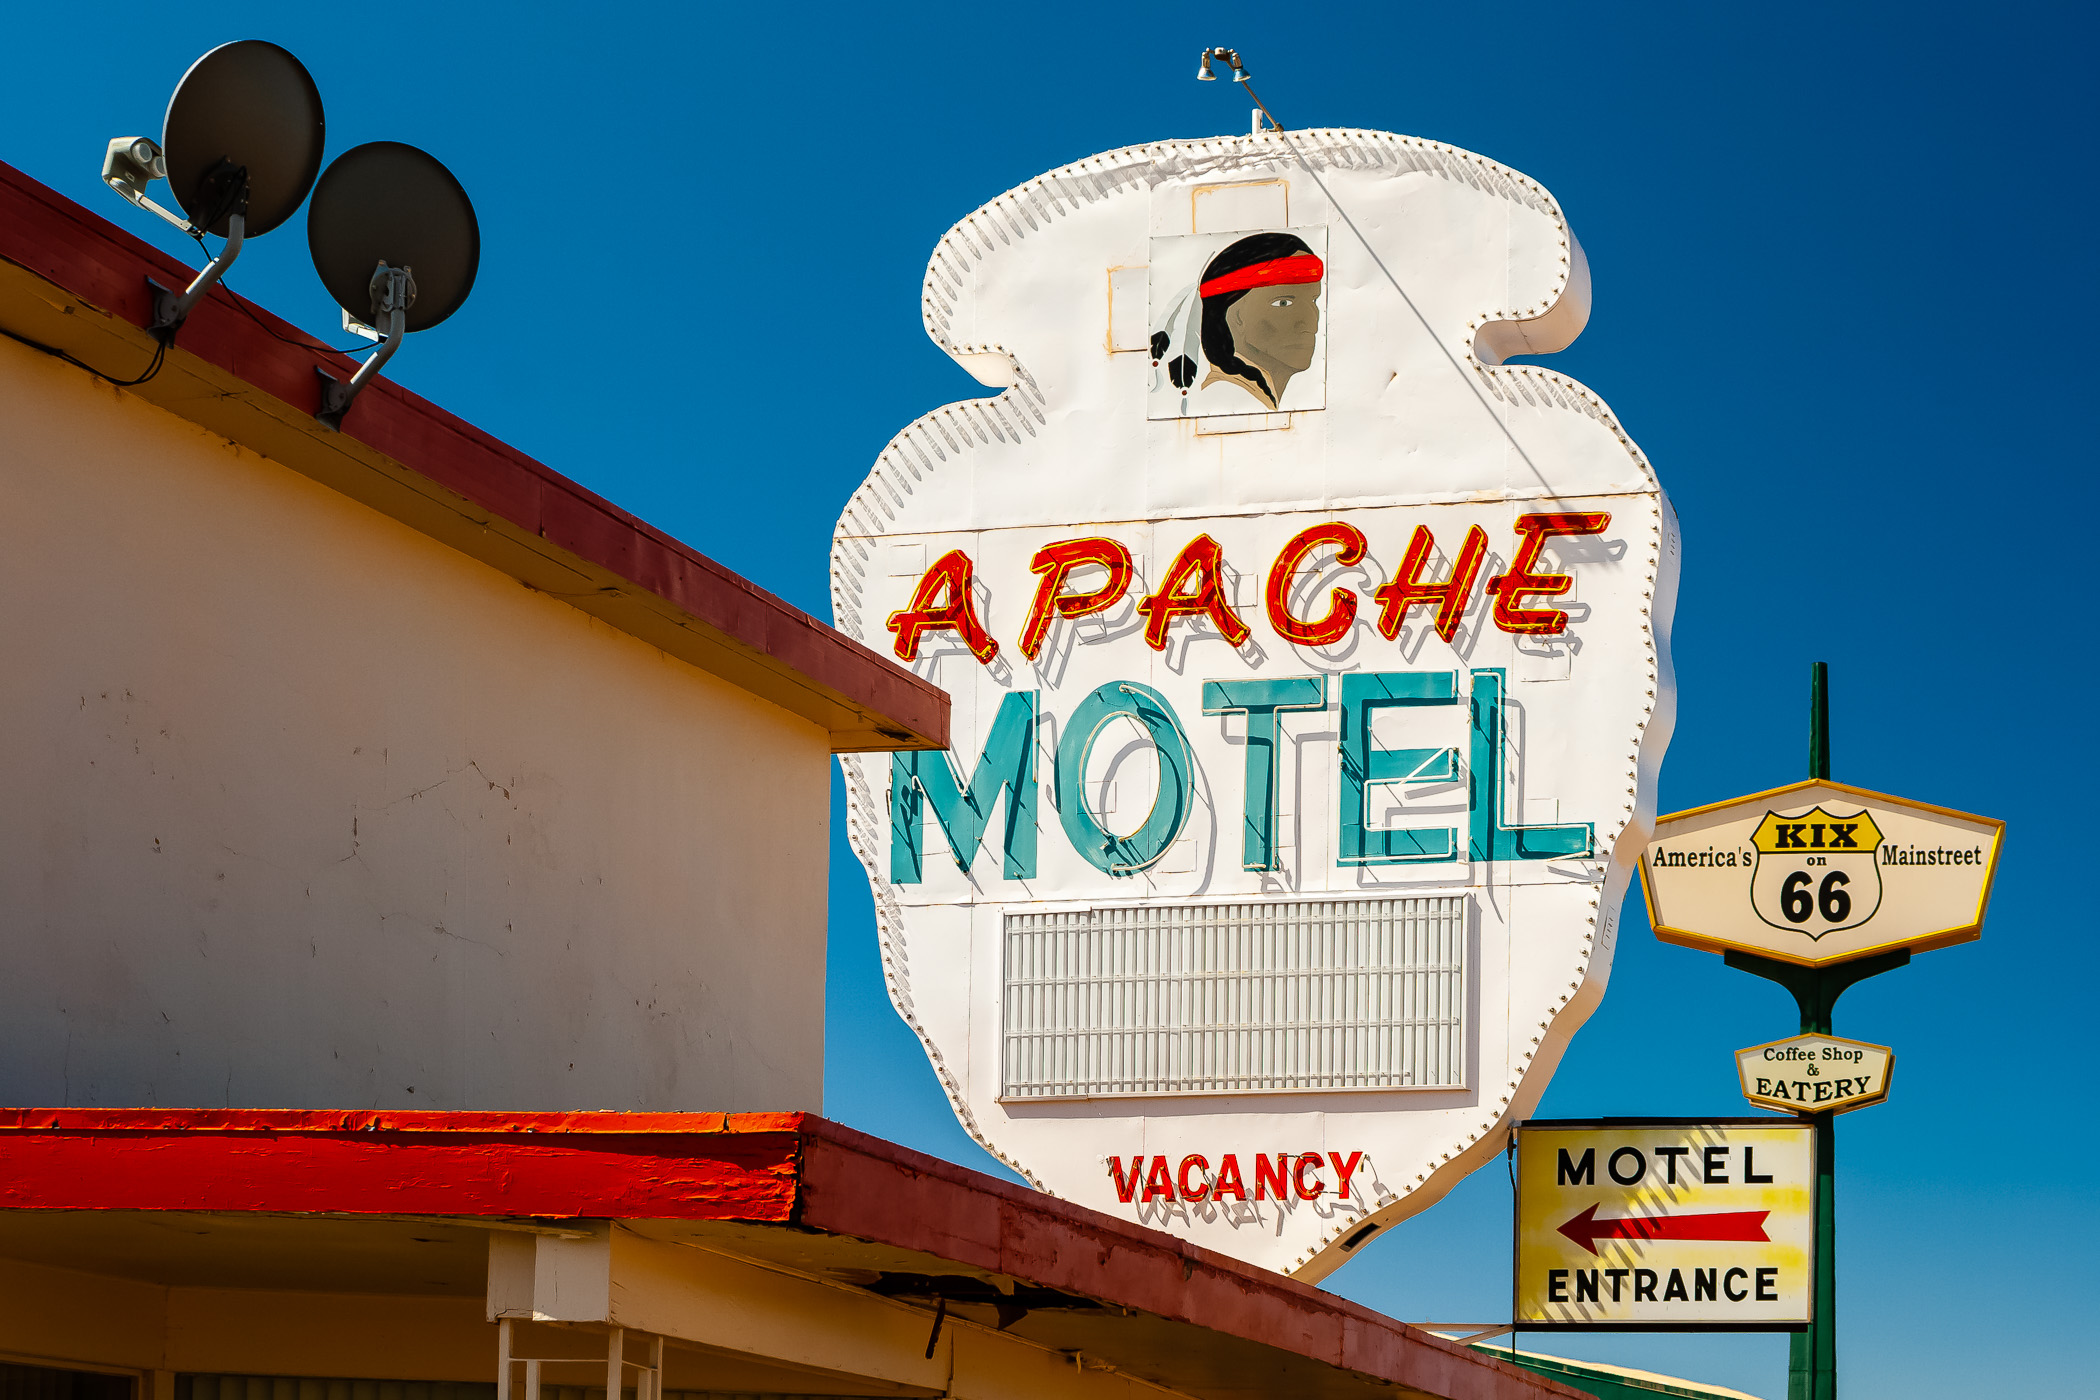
1252, 321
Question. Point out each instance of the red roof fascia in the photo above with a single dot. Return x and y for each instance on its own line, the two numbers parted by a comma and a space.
107, 268
855, 1184
789, 1169
659, 1166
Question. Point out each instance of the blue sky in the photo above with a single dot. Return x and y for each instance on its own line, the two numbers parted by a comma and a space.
1831, 249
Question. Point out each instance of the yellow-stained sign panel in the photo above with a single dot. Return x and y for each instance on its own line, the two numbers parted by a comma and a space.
1651, 1225
1819, 873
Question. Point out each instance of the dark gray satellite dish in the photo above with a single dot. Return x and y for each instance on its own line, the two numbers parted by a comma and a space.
240, 150
386, 202
395, 242
246, 109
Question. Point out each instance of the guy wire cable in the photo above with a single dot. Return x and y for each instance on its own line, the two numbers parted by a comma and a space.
1471, 383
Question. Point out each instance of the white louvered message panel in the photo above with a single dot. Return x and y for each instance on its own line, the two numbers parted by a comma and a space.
1223, 998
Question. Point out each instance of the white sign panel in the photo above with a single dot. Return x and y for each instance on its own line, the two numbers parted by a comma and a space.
1309, 671
1820, 873
1815, 1074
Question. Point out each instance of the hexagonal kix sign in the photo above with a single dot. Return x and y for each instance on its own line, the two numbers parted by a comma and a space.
1819, 873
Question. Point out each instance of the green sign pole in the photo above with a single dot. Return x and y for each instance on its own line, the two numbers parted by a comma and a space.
1812, 1359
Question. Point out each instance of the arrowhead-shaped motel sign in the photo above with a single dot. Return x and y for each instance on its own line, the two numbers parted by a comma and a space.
1269, 873
1819, 873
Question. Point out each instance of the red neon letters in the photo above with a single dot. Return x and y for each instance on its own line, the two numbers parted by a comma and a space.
1201, 561
1341, 611
1194, 586
1055, 562
1278, 1176
1449, 597
1509, 589
949, 579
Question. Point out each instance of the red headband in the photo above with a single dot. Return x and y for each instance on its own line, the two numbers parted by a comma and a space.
1277, 272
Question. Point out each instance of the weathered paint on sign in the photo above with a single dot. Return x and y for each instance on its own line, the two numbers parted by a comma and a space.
1820, 873
1653, 1225
1815, 1074
1310, 678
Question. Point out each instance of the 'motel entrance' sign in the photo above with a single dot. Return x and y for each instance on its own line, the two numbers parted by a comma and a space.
1310, 678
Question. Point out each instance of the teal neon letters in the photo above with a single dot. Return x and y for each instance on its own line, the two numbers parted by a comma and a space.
1259, 700
1008, 763
964, 810
1490, 839
1124, 855
1489, 836
1364, 764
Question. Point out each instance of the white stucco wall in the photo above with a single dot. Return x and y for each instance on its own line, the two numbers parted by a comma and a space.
301, 808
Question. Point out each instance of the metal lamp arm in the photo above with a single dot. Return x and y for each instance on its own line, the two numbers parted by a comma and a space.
131, 164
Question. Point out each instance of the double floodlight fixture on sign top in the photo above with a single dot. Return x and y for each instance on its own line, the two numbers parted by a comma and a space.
1228, 56
1231, 57
240, 151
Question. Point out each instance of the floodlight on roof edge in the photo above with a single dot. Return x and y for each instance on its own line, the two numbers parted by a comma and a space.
240, 148
395, 241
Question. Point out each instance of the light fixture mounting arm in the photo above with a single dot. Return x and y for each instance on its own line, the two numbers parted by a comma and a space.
133, 162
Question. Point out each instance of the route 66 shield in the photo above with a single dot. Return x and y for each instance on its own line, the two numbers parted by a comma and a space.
1816, 871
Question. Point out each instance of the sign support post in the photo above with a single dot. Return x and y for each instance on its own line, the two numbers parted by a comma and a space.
1812, 1355
1815, 886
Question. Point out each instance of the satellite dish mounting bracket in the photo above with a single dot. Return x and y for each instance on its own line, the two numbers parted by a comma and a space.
393, 292
133, 162
171, 310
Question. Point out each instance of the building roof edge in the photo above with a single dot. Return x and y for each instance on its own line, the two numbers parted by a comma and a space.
75, 284
790, 1170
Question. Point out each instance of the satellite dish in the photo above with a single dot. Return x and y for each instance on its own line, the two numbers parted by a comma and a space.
395, 242
390, 203
246, 108
240, 150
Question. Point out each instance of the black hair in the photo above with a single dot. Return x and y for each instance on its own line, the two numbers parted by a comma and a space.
1217, 336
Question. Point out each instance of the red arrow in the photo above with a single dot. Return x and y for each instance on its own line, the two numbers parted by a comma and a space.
1717, 1225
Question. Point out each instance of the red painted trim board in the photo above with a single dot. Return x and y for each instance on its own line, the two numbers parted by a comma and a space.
552, 1165
782, 1169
